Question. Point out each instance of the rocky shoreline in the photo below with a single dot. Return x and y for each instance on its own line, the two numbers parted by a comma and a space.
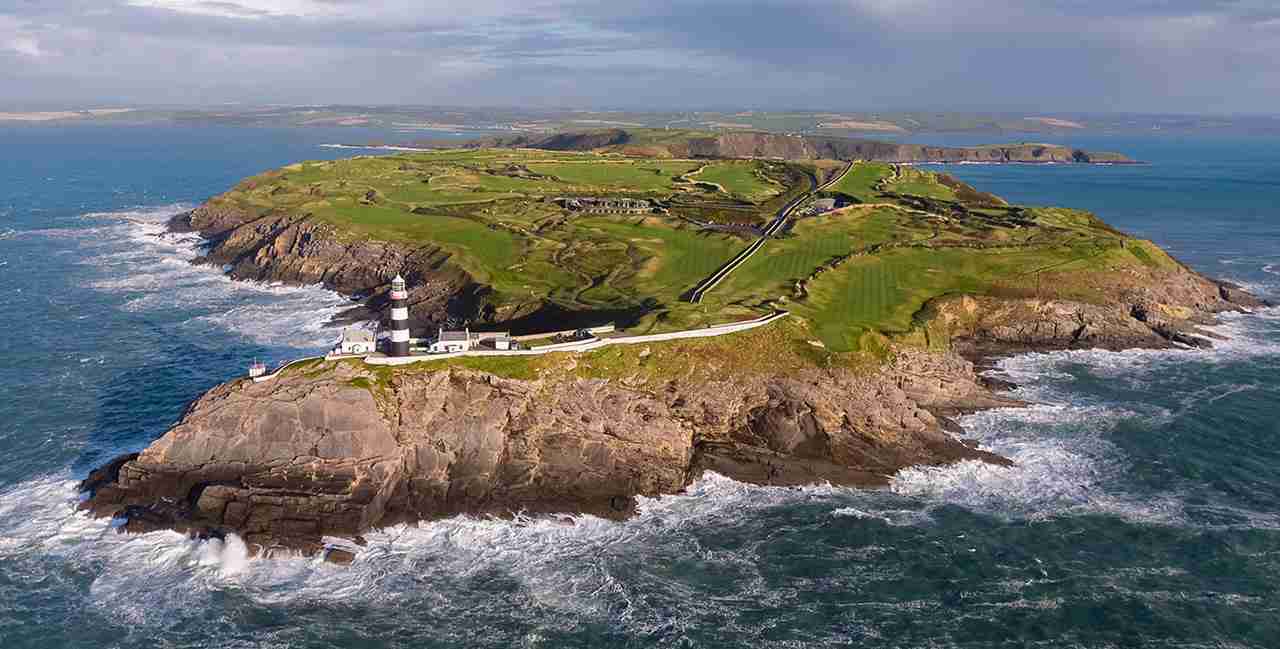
334, 452
341, 448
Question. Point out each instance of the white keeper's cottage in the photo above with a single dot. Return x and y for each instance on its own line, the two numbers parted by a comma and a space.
451, 341
448, 342
356, 341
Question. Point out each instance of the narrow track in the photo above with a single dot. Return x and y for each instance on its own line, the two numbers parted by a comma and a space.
695, 295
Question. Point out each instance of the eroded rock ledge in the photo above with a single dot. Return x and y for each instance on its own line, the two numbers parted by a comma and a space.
299, 249
338, 449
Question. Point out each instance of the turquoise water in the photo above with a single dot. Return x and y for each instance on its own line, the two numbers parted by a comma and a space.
1144, 509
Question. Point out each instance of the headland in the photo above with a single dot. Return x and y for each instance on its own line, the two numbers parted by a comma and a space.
895, 280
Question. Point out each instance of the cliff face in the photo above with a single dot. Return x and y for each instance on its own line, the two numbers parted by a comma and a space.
1149, 309
752, 144
771, 145
336, 450
298, 249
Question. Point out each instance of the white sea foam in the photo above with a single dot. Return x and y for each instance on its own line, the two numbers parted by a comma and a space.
559, 563
377, 147
1063, 463
894, 517
136, 257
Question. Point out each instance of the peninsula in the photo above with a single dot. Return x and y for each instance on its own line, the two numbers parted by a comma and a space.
894, 280
764, 144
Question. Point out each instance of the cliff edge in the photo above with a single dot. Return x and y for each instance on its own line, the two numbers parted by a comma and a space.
336, 448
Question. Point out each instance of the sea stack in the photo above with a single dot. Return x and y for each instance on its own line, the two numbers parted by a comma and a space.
399, 317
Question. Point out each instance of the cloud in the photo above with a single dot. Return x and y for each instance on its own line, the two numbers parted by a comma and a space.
1063, 55
227, 9
24, 45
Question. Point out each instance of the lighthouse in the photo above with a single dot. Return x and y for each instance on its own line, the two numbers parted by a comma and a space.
399, 318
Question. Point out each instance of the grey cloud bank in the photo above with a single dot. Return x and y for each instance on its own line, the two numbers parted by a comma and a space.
1179, 56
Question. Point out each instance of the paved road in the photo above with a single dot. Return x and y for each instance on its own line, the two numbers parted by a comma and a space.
775, 226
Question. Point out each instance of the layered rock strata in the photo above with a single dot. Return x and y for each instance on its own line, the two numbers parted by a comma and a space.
338, 450
298, 249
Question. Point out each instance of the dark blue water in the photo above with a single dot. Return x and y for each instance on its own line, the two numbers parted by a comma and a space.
1144, 509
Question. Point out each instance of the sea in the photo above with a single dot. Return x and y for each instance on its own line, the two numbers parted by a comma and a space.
1142, 509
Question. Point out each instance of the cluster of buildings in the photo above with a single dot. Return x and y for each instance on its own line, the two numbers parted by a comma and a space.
447, 342
592, 205
360, 342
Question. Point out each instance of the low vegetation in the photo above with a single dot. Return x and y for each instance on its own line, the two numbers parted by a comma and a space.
858, 275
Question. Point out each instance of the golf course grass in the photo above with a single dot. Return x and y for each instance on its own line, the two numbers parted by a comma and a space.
855, 274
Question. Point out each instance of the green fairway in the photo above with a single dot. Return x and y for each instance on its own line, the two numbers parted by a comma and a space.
915, 182
670, 261
627, 175
857, 274
861, 180
814, 241
883, 292
743, 180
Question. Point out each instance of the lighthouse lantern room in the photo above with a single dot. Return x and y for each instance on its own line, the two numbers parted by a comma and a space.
399, 317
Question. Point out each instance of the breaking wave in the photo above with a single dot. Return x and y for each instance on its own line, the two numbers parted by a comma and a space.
1063, 465
134, 256
1065, 462
570, 564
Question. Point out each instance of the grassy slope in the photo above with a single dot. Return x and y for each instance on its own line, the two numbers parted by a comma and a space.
882, 261
741, 179
490, 210
860, 182
620, 175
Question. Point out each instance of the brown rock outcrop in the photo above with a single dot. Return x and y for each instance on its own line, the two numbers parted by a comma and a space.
1138, 309
298, 249
336, 450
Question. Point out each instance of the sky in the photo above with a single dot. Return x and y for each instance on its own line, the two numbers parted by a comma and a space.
1065, 56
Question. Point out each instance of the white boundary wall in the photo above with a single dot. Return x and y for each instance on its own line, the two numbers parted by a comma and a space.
268, 377
585, 345
576, 346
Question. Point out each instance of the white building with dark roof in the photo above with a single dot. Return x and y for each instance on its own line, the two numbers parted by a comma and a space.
356, 341
448, 342
495, 340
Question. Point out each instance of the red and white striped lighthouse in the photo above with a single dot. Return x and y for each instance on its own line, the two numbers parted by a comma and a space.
399, 317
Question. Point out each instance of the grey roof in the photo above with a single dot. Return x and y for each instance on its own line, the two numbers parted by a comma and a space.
357, 335
453, 336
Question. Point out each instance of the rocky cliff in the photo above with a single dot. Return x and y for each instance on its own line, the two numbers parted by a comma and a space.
298, 249
337, 448
798, 147
795, 147
1137, 308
